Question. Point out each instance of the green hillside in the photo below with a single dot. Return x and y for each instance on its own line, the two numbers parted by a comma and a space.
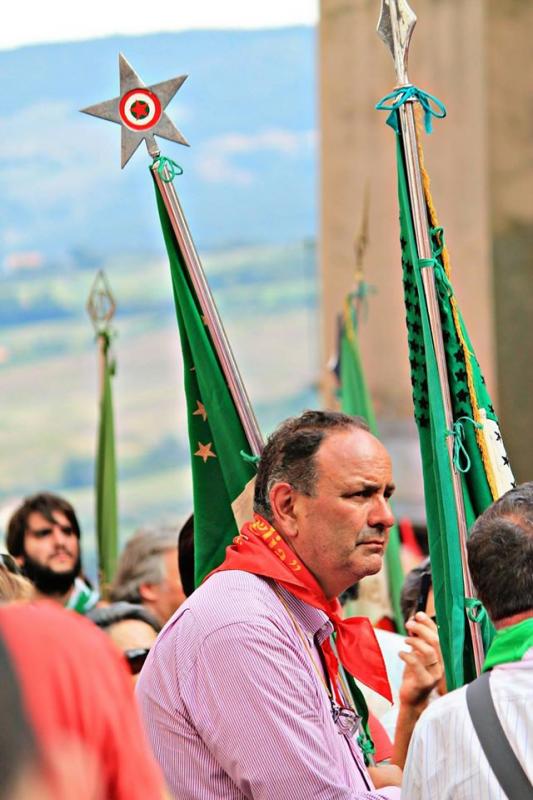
48, 373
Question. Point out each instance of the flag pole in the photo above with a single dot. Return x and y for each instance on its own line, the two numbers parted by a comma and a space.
395, 27
101, 307
210, 313
140, 111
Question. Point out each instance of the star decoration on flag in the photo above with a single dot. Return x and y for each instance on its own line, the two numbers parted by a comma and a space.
200, 411
204, 451
140, 111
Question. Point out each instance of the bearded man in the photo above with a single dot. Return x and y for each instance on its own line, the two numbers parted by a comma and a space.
43, 536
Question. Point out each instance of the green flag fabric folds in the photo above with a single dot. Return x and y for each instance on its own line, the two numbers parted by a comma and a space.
478, 451
106, 473
216, 436
355, 399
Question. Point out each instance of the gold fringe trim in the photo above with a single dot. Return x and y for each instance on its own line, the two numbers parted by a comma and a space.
487, 463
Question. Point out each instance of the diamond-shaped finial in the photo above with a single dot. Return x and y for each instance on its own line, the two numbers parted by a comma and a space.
101, 305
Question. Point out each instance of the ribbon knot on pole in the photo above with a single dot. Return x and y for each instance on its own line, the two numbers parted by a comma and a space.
358, 299
461, 459
106, 336
475, 610
249, 458
410, 93
443, 282
167, 168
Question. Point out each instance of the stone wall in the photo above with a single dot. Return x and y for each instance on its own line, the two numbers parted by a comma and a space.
476, 57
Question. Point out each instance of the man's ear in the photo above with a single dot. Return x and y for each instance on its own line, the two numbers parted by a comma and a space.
146, 590
19, 560
282, 496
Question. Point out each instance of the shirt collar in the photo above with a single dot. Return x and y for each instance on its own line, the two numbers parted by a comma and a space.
313, 621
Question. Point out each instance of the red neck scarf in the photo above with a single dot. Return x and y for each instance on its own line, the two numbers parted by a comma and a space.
260, 549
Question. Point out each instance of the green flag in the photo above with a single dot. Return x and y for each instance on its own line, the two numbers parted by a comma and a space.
479, 456
355, 399
216, 436
106, 473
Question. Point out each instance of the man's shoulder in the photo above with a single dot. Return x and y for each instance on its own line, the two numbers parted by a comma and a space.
438, 713
235, 585
231, 597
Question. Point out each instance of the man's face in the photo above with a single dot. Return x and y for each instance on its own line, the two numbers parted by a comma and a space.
51, 552
168, 594
342, 530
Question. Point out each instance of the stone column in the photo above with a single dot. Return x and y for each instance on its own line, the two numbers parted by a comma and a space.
476, 57
510, 176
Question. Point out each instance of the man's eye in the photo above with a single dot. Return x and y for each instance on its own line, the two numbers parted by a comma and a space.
42, 533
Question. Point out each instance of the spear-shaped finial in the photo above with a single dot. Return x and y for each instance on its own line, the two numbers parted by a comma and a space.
395, 27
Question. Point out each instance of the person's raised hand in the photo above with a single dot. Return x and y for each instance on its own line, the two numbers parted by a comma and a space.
424, 668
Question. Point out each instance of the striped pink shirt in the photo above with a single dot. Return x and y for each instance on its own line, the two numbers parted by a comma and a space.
234, 708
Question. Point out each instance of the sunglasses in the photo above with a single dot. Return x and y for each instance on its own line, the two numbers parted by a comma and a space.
136, 658
345, 718
10, 564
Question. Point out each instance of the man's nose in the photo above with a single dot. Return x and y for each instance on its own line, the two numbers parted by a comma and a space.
381, 514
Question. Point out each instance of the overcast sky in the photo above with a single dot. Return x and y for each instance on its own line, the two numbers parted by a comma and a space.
64, 20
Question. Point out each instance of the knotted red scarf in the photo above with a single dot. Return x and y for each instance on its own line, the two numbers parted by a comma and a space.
260, 549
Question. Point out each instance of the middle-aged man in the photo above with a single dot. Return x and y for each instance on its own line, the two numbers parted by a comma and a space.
43, 536
446, 758
147, 572
241, 694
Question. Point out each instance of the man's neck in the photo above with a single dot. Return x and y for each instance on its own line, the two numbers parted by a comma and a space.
506, 622
62, 599
290, 544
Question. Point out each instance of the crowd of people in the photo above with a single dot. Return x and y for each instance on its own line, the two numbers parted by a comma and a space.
250, 685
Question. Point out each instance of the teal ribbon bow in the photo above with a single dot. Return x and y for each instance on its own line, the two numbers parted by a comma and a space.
475, 610
403, 94
172, 168
442, 280
249, 458
459, 449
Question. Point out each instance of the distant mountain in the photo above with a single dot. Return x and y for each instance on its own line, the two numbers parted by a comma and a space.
248, 110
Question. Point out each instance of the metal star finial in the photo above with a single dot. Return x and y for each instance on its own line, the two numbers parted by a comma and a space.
139, 110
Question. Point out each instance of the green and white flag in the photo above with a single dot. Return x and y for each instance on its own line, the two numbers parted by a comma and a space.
221, 467
106, 472
479, 455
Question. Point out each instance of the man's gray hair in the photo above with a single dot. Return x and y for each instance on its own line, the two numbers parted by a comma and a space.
500, 554
290, 453
141, 561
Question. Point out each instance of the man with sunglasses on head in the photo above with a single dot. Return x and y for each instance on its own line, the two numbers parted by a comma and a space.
43, 536
244, 693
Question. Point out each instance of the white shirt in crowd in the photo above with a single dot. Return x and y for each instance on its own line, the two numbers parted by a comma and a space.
445, 759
